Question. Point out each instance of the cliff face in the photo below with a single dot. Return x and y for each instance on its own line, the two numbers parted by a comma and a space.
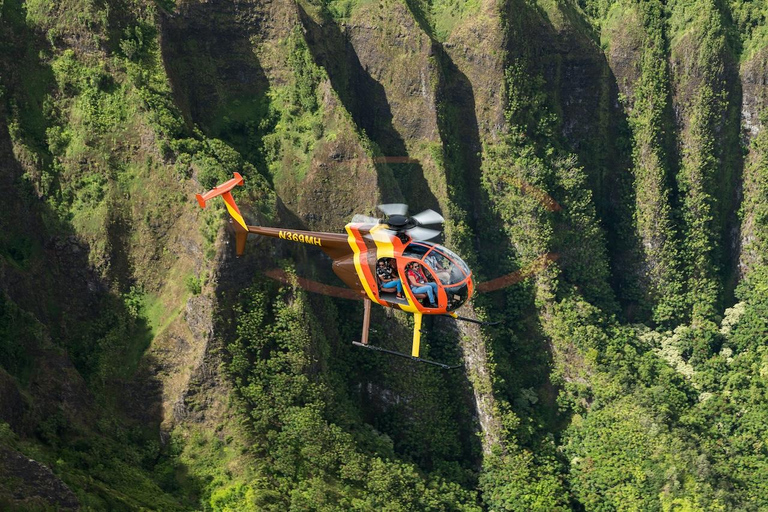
610, 156
752, 77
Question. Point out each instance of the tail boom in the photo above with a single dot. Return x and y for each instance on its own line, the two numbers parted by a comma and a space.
334, 245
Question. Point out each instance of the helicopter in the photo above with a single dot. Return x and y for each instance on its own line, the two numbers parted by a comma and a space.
398, 241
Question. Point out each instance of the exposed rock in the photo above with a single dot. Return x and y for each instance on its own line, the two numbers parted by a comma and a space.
59, 388
204, 400
475, 48
624, 51
754, 80
13, 406
208, 63
396, 55
475, 356
33, 485
754, 87
198, 316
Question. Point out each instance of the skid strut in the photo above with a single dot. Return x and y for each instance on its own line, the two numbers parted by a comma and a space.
414, 356
366, 321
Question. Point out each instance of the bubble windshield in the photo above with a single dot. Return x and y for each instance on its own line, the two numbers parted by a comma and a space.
416, 250
446, 265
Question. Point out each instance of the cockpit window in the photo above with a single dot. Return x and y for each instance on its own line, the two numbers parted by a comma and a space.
416, 250
455, 258
444, 267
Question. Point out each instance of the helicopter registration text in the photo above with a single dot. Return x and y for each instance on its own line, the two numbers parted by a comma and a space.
306, 239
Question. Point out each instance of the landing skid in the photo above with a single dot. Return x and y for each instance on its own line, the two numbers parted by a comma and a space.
414, 356
408, 356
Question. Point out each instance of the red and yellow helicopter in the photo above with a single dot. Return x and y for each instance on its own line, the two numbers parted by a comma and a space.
433, 279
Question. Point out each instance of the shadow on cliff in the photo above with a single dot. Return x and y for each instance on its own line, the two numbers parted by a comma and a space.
217, 81
395, 398
366, 101
732, 157
84, 394
82, 368
583, 91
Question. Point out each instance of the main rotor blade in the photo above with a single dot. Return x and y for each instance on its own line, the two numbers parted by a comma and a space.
536, 265
364, 219
393, 208
382, 235
419, 233
313, 286
428, 217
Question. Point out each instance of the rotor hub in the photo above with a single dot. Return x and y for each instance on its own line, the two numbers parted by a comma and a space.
398, 221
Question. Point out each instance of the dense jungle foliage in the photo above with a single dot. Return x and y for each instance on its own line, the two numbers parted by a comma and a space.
611, 154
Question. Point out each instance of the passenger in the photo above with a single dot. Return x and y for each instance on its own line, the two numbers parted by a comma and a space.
420, 284
387, 277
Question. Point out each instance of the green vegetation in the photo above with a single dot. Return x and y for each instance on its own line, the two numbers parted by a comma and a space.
754, 212
300, 123
19, 331
149, 369
443, 15
750, 21
306, 459
343, 9
651, 128
709, 157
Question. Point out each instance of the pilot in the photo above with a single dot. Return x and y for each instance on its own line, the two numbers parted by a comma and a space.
420, 284
387, 278
439, 267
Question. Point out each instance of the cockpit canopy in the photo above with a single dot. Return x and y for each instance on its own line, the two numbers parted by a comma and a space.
446, 266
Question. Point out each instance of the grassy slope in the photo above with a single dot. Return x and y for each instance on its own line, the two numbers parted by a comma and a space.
113, 155
109, 213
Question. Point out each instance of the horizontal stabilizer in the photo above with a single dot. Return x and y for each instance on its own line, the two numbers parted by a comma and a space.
221, 189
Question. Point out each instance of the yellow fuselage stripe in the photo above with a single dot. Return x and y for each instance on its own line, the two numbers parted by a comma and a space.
233, 210
352, 240
386, 249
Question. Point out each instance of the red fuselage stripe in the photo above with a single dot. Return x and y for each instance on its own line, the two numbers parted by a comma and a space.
364, 265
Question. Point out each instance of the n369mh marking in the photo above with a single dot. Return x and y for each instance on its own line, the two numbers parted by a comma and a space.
296, 237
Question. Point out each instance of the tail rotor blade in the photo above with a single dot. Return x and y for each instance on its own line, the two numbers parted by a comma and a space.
428, 217
419, 233
393, 208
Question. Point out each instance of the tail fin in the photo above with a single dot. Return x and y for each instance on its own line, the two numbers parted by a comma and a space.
240, 236
224, 191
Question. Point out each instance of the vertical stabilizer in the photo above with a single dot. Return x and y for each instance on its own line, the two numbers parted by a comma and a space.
240, 237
